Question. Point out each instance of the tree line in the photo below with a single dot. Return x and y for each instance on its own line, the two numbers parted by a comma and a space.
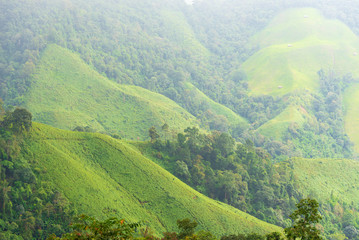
243, 176
84, 227
30, 208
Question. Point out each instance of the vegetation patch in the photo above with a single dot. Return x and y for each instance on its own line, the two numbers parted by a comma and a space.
121, 182
278, 126
67, 93
215, 108
294, 47
351, 114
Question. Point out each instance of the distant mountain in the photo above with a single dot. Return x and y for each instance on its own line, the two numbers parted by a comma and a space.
294, 47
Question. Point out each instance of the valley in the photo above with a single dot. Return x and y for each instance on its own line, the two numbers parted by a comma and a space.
227, 113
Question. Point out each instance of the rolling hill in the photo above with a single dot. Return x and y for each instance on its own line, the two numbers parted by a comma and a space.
179, 31
294, 47
103, 177
323, 178
217, 108
65, 93
276, 127
351, 117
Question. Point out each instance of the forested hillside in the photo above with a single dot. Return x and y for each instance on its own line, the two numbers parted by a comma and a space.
67, 93
50, 175
251, 103
167, 46
245, 177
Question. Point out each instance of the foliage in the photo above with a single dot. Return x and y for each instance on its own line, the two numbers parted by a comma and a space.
186, 227
18, 121
152, 132
245, 177
202, 69
163, 46
84, 98
30, 207
305, 218
333, 183
238, 174
85, 227
86, 166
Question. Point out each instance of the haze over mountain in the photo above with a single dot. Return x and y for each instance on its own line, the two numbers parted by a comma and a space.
252, 103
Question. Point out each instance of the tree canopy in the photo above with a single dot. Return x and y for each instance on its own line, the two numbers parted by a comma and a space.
305, 218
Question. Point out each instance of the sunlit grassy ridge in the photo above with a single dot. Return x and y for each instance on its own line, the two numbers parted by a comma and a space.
103, 177
294, 47
218, 109
277, 126
351, 120
321, 178
181, 32
66, 93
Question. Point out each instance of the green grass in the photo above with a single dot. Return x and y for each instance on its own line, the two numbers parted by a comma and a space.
316, 42
106, 177
276, 127
66, 93
351, 117
219, 109
321, 178
181, 32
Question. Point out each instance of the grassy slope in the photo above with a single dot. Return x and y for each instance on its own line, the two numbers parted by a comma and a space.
322, 177
181, 32
277, 126
67, 93
102, 175
316, 43
218, 109
351, 103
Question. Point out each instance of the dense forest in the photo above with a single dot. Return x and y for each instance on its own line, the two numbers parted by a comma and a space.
194, 55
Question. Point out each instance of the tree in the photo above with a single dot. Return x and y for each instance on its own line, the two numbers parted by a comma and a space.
274, 236
165, 128
350, 232
2, 110
181, 169
18, 120
305, 218
153, 134
186, 227
86, 227
5, 189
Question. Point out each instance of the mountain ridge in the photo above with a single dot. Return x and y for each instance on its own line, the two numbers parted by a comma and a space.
66, 93
147, 192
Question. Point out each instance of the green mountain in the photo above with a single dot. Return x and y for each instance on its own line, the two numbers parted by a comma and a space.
182, 33
294, 47
351, 117
65, 93
277, 126
325, 178
334, 183
232, 118
272, 74
104, 177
